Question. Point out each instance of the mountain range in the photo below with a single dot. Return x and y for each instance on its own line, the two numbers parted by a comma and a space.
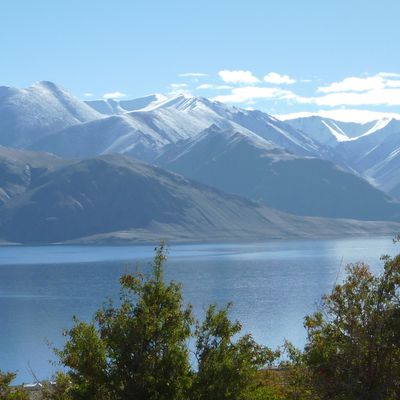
300, 185
310, 167
115, 198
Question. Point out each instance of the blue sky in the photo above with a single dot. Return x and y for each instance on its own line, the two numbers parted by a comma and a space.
280, 56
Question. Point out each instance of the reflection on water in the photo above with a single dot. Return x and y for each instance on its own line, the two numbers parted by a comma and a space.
272, 285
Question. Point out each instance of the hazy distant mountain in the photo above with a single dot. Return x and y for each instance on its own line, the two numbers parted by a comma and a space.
117, 198
371, 149
240, 164
327, 131
27, 115
376, 155
373, 146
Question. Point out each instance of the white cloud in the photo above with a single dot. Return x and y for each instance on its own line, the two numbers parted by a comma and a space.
237, 76
377, 90
211, 86
355, 84
250, 93
381, 96
178, 85
193, 74
223, 87
179, 88
352, 92
205, 86
393, 84
113, 95
347, 115
389, 74
88, 94
277, 79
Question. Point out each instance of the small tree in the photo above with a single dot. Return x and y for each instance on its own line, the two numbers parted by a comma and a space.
137, 350
10, 393
85, 355
353, 348
226, 367
296, 377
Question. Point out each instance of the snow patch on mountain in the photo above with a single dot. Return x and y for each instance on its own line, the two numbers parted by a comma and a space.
27, 115
336, 132
380, 124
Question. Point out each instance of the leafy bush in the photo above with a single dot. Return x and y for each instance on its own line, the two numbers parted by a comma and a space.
10, 393
136, 350
139, 349
226, 367
353, 349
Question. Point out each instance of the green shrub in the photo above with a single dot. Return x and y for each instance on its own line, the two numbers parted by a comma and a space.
7, 392
227, 368
353, 348
137, 350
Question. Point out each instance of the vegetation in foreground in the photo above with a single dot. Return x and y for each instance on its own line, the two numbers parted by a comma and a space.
140, 348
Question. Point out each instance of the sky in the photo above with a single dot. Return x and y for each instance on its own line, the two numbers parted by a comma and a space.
338, 58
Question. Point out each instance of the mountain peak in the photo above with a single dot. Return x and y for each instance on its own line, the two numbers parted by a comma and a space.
47, 85
28, 114
175, 101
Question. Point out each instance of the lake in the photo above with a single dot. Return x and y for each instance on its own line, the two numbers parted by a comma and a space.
272, 286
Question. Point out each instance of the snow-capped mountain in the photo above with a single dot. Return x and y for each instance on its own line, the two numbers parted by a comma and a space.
45, 117
376, 155
142, 133
26, 115
262, 124
328, 131
116, 134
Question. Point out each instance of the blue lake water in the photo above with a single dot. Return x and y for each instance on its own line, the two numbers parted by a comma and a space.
272, 286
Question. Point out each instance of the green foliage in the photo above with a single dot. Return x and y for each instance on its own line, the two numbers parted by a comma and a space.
62, 388
226, 367
146, 337
137, 350
85, 355
353, 348
10, 393
297, 379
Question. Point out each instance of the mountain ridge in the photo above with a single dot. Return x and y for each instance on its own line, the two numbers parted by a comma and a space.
300, 185
116, 199
283, 157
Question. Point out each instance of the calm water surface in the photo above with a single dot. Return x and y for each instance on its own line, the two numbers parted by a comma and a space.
272, 285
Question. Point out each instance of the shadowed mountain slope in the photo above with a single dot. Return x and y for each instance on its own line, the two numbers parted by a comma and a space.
114, 198
238, 164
